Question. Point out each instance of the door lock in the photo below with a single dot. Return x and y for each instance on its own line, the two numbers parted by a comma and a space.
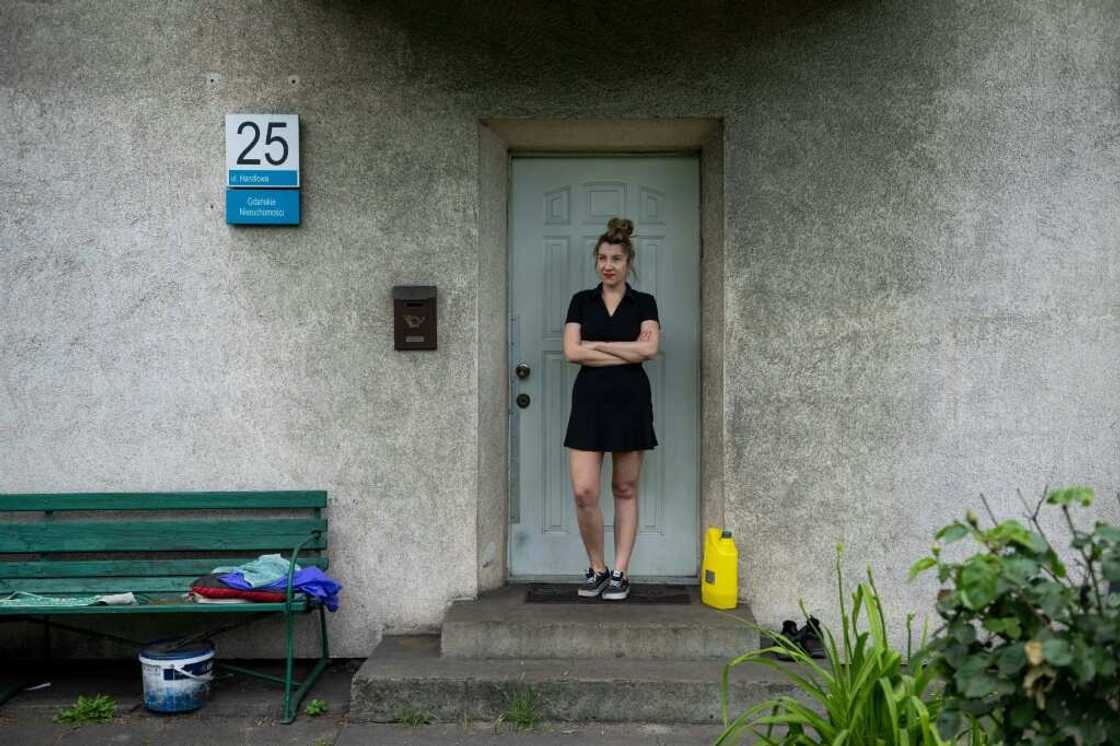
523, 400
522, 371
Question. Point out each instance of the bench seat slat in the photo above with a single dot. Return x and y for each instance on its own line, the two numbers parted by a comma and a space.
132, 567
87, 586
161, 608
157, 536
287, 499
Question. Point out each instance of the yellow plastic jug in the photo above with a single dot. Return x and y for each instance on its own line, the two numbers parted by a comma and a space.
719, 586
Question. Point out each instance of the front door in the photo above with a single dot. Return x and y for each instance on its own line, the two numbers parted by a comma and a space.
559, 207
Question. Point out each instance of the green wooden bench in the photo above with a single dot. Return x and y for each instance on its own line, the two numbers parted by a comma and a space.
44, 550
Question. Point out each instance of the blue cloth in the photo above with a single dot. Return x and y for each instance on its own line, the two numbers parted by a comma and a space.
264, 570
310, 580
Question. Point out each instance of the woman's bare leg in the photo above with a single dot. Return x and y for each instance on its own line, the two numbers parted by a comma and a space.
587, 469
627, 467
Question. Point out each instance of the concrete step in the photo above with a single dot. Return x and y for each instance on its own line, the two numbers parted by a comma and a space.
407, 672
499, 624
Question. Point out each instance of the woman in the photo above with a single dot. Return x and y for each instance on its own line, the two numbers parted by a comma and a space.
609, 331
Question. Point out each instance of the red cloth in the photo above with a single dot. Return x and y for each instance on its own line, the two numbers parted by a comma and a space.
267, 596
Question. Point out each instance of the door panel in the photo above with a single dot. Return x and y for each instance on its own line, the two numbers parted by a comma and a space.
559, 207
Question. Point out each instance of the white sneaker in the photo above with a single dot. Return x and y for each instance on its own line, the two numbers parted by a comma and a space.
619, 587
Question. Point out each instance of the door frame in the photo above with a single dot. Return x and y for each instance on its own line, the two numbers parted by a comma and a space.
500, 140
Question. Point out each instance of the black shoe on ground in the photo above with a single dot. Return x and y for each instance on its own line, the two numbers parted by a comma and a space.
619, 587
809, 638
594, 582
772, 639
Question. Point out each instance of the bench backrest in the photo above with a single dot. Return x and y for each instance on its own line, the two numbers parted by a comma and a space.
50, 535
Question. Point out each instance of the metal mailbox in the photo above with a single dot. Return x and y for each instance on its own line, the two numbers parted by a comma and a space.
414, 317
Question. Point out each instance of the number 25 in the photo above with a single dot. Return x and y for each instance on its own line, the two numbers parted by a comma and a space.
268, 140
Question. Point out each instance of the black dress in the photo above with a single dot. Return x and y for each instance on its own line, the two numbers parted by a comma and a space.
612, 409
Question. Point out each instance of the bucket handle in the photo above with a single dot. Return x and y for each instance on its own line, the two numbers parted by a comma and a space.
189, 675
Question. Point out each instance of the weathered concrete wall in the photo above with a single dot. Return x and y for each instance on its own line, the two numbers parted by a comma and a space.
922, 282
920, 249
148, 345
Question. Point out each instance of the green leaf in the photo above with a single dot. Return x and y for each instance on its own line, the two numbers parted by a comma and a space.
962, 631
979, 685
1107, 532
1057, 651
1111, 569
1013, 629
1022, 713
1004, 687
1083, 668
978, 581
1104, 663
1011, 659
1080, 495
1008, 626
955, 654
1012, 532
953, 532
1020, 568
971, 666
921, 566
1056, 565
1050, 597
949, 723
1036, 543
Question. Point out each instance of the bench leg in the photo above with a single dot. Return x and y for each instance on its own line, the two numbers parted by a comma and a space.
292, 701
289, 710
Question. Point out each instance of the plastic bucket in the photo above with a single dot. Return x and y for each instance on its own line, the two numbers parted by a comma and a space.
176, 679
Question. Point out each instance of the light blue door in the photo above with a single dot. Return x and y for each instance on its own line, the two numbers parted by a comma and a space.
559, 207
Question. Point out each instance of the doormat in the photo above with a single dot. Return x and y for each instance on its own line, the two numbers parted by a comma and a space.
640, 593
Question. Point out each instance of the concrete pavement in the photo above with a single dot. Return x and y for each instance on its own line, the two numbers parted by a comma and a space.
245, 711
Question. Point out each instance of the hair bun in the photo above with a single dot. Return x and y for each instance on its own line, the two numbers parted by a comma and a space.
621, 225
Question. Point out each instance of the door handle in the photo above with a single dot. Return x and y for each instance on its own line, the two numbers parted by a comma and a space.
522, 371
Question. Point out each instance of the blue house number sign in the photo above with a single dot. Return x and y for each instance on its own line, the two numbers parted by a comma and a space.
262, 169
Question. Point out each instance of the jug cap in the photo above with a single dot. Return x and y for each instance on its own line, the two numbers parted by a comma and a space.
726, 534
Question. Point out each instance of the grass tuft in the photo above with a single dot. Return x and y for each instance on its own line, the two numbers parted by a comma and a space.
411, 716
522, 708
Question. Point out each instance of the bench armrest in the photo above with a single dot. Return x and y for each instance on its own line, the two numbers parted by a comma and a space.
292, 564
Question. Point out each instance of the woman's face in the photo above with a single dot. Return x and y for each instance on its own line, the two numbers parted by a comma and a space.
611, 263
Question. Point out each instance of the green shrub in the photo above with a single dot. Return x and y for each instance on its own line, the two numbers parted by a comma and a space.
1026, 651
96, 709
865, 694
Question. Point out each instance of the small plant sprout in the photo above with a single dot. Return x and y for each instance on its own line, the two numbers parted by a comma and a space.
316, 707
96, 709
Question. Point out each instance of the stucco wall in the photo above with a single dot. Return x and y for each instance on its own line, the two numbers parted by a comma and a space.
920, 221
